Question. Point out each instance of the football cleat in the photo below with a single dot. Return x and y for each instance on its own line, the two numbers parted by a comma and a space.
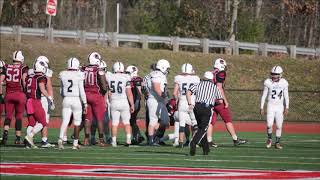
187, 143
114, 144
212, 144
60, 144
193, 147
76, 147
239, 142
46, 144
269, 143
93, 141
180, 145
86, 142
102, 143
17, 142
278, 146
29, 142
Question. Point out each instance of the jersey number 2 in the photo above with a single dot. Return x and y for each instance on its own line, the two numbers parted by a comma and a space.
70, 86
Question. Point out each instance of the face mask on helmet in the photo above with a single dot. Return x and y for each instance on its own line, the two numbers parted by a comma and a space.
94, 59
44, 60
276, 73
39, 67
220, 64
132, 71
163, 66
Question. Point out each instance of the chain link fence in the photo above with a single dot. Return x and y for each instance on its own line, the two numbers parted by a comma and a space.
245, 105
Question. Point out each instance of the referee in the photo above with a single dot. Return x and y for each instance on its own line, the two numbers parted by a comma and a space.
206, 93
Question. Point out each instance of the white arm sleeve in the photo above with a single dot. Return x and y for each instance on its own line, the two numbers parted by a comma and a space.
263, 97
286, 97
82, 93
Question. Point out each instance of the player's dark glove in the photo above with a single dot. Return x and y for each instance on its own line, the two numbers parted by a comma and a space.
1, 99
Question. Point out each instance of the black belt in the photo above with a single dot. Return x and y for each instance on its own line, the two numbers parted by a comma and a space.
204, 104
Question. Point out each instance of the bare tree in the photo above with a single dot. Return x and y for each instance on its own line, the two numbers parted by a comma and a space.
234, 19
258, 8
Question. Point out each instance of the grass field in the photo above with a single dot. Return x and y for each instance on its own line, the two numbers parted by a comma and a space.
301, 152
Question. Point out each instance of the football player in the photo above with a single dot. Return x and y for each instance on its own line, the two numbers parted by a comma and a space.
103, 67
119, 94
95, 86
145, 91
14, 75
36, 86
74, 100
157, 96
222, 109
135, 83
276, 89
182, 82
44, 101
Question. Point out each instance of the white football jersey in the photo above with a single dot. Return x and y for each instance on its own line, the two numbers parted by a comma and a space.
277, 93
118, 82
184, 82
72, 83
48, 73
157, 77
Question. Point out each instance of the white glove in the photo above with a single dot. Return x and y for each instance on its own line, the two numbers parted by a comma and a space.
51, 103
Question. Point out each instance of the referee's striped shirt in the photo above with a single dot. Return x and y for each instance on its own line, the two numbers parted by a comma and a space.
206, 92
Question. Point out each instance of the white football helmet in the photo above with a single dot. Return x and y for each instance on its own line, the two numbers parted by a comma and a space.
94, 58
2, 64
276, 73
118, 67
187, 68
44, 60
38, 67
132, 70
220, 64
103, 65
18, 56
73, 63
163, 65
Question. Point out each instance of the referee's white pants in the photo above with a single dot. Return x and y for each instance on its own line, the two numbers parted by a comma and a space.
275, 113
45, 105
157, 110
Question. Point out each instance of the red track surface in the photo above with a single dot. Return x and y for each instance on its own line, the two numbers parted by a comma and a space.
147, 172
240, 126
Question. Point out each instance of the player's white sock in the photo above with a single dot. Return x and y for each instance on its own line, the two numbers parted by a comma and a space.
209, 138
128, 138
176, 128
37, 128
278, 132
75, 142
235, 137
65, 138
114, 139
63, 129
44, 139
269, 130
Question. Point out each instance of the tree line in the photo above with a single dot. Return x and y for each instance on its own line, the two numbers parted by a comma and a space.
275, 22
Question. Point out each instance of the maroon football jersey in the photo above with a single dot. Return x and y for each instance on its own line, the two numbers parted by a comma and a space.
218, 76
13, 73
91, 79
33, 89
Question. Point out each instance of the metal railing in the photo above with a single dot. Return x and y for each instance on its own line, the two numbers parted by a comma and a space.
113, 39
